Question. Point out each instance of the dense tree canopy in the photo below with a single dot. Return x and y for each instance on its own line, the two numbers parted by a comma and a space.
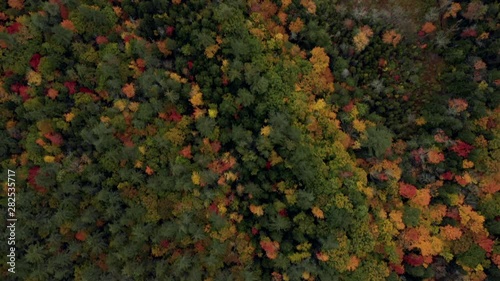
252, 140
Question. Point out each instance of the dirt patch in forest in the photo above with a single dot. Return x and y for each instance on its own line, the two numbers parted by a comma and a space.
405, 15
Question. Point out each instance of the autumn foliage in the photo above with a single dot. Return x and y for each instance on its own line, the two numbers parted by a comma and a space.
252, 140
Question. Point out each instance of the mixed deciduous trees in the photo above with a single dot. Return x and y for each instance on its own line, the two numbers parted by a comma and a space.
251, 140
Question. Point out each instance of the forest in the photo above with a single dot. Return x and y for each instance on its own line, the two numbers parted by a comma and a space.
266, 140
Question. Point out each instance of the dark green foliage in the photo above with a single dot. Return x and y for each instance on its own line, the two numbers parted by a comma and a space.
379, 139
474, 256
411, 216
156, 186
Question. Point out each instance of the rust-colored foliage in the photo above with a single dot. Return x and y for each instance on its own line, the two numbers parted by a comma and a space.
318, 213
186, 152
81, 235
440, 136
486, 243
256, 210
296, 25
309, 5
55, 138
391, 37
322, 256
16, 4
479, 64
367, 31
222, 165
353, 263
453, 10
270, 247
428, 27
129, 90
422, 197
52, 93
407, 190
435, 157
458, 105
101, 40
68, 25
450, 232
